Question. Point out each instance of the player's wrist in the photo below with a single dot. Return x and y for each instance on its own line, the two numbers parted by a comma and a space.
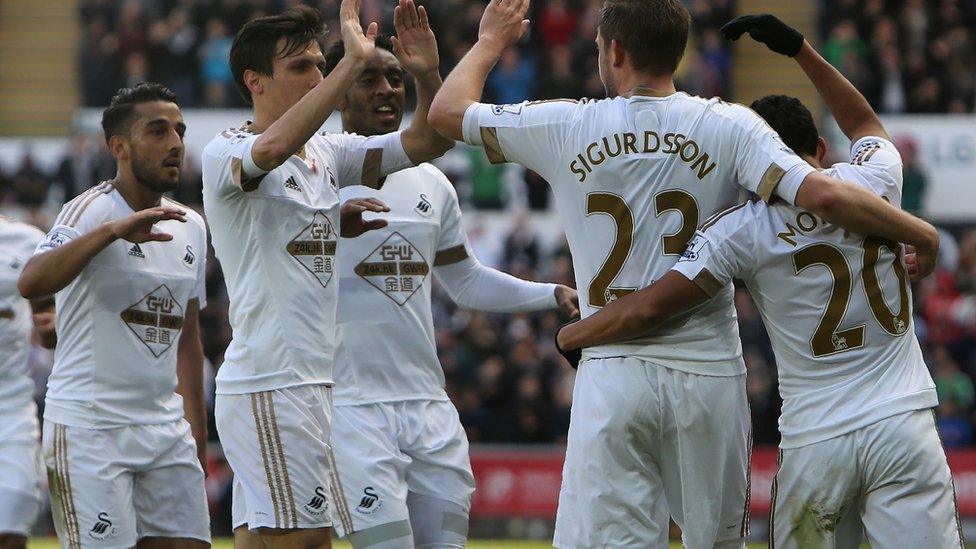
563, 341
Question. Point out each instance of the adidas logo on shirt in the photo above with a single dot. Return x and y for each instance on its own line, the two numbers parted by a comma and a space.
136, 251
290, 183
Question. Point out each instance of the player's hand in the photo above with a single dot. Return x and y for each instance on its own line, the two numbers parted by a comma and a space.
567, 300
44, 323
359, 45
919, 265
137, 227
414, 44
768, 29
574, 356
351, 222
504, 22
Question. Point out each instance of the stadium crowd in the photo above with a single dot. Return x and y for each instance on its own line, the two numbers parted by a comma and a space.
503, 372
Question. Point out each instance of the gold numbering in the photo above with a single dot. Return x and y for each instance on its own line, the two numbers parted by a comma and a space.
826, 339
614, 206
684, 203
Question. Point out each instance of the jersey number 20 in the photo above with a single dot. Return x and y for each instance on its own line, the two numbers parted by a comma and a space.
827, 339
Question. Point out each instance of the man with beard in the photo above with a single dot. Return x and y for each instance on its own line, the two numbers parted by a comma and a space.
125, 429
400, 453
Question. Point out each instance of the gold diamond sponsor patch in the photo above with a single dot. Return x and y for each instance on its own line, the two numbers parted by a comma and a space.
156, 320
315, 248
396, 267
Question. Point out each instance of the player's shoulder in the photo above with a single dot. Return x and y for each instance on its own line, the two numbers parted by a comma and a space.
96, 203
20, 231
552, 110
864, 149
192, 216
734, 219
224, 140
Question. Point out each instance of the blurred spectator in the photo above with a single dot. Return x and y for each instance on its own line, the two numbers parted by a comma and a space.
956, 398
512, 79
28, 185
215, 72
915, 181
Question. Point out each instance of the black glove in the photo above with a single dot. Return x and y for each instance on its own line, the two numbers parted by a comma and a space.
768, 29
574, 356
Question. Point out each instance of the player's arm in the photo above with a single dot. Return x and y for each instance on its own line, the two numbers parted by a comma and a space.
65, 253
416, 48
502, 24
189, 376
633, 315
852, 111
857, 209
473, 285
43, 314
295, 127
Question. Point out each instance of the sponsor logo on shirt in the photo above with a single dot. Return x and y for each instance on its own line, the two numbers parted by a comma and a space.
319, 502
314, 247
290, 183
424, 207
370, 503
136, 251
396, 267
103, 528
156, 320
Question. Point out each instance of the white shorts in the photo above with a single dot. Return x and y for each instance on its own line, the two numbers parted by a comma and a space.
277, 443
20, 470
383, 451
891, 476
112, 487
647, 441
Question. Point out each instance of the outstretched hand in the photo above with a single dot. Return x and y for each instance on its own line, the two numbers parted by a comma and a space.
567, 300
359, 45
768, 29
504, 22
351, 222
414, 44
137, 227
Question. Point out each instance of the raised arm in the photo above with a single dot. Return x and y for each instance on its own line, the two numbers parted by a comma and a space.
502, 24
286, 135
416, 48
189, 376
48, 272
852, 111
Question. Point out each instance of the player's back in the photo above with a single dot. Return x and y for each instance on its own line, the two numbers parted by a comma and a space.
17, 243
837, 306
633, 177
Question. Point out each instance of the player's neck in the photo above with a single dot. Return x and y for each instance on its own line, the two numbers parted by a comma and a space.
136, 195
639, 83
812, 160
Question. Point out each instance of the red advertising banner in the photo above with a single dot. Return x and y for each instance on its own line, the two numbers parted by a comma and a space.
525, 483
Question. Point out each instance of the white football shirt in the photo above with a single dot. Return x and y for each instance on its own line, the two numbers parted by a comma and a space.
837, 305
275, 235
633, 177
17, 243
119, 321
386, 347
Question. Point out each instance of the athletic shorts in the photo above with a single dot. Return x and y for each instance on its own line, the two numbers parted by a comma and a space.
384, 451
112, 487
891, 477
648, 442
277, 443
20, 470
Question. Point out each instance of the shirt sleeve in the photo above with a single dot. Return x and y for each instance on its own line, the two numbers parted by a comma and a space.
723, 249
77, 217
880, 157
452, 242
532, 134
763, 162
365, 160
201, 287
228, 165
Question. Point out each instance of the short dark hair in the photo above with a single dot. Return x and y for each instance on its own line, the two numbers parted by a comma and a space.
120, 113
654, 33
256, 44
791, 120
338, 50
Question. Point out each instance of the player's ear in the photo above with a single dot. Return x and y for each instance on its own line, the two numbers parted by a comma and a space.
118, 145
253, 82
618, 55
821, 150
